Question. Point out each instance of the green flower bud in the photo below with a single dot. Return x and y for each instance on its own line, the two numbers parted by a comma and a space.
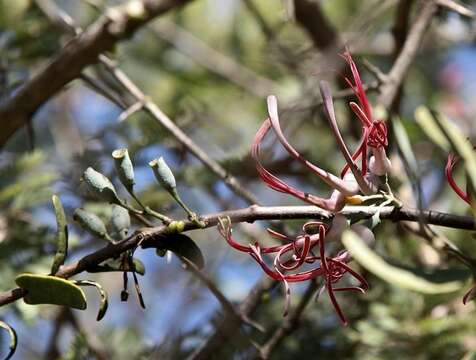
120, 221
124, 168
91, 223
163, 174
100, 186
180, 226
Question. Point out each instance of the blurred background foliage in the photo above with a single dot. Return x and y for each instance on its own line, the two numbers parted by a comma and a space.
175, 61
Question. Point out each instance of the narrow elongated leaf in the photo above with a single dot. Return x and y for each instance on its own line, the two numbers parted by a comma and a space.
395, 275
45, 289
104, 299
427, 123
13, 339
404, 145
61, 236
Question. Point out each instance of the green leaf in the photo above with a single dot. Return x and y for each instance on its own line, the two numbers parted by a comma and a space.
45, 289
427, 123
404, 145
13, 339
112, 265
393, 274
61, 236
104, 299
181, 245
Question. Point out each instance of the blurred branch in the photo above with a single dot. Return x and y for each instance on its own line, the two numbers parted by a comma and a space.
389, 90
117, 24
227, 306
228, 327
146, 236
94, 344
310, 17
290, 323
142, 102
457, 7
212, 60
400, 33
52, 351
152, 109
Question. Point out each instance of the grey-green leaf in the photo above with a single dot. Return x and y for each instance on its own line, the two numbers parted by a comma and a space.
395, 275
61, 236
404, 145
104, 298
424, 118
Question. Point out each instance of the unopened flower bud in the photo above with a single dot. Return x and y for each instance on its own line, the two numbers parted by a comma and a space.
379, 164
124, 167
163, 174
100, 186
120, 220
91, 223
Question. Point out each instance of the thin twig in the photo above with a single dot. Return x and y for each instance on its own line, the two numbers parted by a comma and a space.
159, 116
81, 51
214, 61
389, 89
457, 7
227, 306
290, 323
150, 107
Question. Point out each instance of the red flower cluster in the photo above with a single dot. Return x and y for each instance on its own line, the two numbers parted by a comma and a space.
360, 180
297, 252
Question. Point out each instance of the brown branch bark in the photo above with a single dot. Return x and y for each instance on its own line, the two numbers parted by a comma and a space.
310, 17
117, 24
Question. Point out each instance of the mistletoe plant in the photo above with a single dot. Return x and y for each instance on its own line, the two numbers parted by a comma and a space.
321, 251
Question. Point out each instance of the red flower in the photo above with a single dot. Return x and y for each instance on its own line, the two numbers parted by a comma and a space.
374, 133
295, 253
450, 164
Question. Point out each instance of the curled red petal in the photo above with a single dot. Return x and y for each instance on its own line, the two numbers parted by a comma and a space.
450, 164
358, 87
332, 180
